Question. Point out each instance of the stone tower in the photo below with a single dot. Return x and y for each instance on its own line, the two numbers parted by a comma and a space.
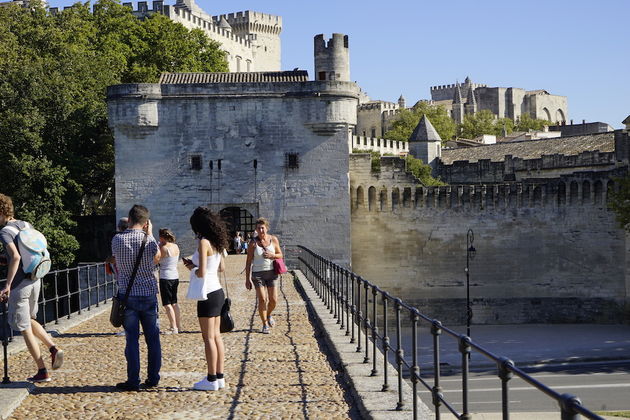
402, 103
332, 59
425, 143
458, 105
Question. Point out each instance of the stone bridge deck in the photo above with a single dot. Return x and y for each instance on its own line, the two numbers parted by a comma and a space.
281, 375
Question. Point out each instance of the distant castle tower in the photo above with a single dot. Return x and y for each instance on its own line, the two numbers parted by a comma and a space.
402, 104
332, 60
458, 105
425, 143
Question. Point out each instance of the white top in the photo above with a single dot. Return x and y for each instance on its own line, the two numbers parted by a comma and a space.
261, 263
168, 266
211, 279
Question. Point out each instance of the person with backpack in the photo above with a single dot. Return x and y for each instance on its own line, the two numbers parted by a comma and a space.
23, 287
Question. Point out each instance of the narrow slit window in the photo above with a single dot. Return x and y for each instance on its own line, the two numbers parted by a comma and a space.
195, 162
291, 161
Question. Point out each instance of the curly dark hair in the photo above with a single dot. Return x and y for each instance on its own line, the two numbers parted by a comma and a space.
6, 206
210, 226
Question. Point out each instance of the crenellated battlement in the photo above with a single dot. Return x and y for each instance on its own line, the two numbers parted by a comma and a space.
445, 87
250, 21
393, 189
380, 105
179, 14
374, 144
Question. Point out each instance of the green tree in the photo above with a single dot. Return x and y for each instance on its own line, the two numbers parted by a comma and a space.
421, 171
526, 123
55, 141
482, 122
620, 202
407, 120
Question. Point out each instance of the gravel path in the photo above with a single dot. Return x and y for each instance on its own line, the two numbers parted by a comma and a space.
282, 375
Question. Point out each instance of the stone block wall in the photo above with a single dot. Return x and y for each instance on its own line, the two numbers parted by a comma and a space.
240, 136
544, 252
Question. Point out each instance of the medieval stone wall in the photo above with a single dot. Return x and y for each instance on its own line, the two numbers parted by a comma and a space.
545, 252
232, 145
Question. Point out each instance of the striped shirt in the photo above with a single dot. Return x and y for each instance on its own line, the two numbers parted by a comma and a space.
125, 248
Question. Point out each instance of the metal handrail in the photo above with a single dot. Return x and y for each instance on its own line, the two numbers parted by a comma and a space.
64, 293
344, 292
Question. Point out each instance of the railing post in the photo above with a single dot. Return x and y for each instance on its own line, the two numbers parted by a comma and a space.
464, 349
366, 359
436, 392
359, 314
69, 305
5, 343
56, 288
505, 374
415, 369
386, 346
374, 331
400, 353
336, 294
342, 299
567, 407
353, 308
347, 287
79, 288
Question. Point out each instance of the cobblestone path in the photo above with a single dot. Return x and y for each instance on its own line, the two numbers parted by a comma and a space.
282, 375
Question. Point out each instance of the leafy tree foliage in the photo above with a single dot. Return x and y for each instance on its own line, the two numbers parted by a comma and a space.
57, 149
485, 122
526, 123
418, 168
407, 120
620, 202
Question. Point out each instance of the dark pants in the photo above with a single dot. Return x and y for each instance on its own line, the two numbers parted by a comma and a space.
142, 310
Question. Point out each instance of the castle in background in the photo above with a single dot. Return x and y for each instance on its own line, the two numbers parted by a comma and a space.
374, 118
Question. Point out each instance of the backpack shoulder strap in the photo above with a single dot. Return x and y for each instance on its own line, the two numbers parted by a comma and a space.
12, 229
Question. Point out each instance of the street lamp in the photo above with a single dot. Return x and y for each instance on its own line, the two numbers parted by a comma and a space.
470, 255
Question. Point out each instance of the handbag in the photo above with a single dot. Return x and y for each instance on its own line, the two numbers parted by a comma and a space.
117, 315
227, 322
279, 267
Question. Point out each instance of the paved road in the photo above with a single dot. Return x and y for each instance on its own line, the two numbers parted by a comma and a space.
600, 387
282, 375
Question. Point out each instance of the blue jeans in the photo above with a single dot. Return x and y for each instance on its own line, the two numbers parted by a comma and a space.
142, 310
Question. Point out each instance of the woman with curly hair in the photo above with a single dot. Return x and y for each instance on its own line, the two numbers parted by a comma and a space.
206, 262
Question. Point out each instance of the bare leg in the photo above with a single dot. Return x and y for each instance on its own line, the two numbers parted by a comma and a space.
178, 316
170, 314
33, 347
41, 333
272, 293
261, 294
207, 333
219, 344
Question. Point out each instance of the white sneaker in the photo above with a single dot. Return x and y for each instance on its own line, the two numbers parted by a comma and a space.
206, 385
265, 329
221, 383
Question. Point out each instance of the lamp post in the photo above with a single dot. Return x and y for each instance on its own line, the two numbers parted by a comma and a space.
470, 255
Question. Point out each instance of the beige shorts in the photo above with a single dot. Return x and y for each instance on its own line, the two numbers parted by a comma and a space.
23, 304
264, 278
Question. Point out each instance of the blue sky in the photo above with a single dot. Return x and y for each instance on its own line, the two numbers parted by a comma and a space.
577, 48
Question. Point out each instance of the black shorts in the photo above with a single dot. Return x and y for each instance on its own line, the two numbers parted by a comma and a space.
168, 291
211, 307
264, 278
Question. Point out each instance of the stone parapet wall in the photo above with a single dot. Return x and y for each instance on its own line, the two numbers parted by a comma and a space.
541, 246
371, 144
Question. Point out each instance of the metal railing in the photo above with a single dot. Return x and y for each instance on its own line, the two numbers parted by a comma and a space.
64, 293
355, 303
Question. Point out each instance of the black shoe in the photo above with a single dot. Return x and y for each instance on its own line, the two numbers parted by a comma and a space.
150, 384
126, 386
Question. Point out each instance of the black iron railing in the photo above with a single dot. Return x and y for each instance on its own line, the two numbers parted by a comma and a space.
64, 293
355, 303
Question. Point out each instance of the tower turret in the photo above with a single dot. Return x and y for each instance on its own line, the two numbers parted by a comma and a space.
402, 104
458, 105
425, 143
332, 58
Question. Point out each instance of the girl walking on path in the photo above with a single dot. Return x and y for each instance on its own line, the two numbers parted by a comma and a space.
263, 249
169, 279
205, 265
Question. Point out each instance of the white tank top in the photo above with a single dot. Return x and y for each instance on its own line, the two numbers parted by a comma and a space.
211, 279
168, 266
261, 263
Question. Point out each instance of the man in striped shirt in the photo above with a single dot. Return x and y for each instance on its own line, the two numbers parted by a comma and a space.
142, 305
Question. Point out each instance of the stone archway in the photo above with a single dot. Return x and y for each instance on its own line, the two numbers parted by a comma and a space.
238, 219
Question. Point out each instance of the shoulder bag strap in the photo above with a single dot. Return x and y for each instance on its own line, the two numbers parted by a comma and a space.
227, 293
135, 267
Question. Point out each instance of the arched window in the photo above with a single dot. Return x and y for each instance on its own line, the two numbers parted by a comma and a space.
419, 197
545, 114
560, 118
586, 192
573, 192
407, 197
537, 196
562, 194
395, 198
610, 189
359, 202
383, 199
441, 192
598, 191
371, 198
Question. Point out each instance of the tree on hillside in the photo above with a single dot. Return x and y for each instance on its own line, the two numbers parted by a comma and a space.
57, 148
407, 120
